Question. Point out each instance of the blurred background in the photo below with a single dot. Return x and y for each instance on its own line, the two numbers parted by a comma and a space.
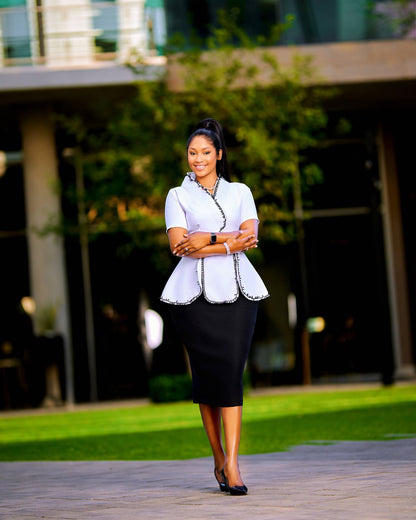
80, 317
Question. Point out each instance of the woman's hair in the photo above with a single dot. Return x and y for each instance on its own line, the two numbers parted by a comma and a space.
211, 129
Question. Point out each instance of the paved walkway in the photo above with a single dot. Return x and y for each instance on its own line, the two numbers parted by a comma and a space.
343, 481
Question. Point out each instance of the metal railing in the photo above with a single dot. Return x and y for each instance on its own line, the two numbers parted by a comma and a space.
78, 33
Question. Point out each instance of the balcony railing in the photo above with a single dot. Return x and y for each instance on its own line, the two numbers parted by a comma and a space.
63, 33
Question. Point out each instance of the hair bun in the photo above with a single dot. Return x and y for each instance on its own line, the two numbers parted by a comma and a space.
210, 124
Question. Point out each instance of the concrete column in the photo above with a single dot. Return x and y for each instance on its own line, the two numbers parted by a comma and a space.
68, 31
46, 253
395, 256
132, 29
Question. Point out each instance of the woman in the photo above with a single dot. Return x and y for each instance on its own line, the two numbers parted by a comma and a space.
214, 290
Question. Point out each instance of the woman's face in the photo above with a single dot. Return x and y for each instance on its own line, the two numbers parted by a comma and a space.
202, 158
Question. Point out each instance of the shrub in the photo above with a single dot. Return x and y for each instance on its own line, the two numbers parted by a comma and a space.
170, 387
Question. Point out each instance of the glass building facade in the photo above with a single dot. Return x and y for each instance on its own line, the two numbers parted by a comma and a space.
38, 31
309, 21
52, 32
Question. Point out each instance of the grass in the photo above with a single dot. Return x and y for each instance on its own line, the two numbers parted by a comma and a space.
173, 431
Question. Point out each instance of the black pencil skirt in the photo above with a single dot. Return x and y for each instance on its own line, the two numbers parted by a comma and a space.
217, 338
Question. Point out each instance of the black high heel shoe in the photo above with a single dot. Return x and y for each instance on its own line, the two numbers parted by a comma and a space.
221, 485
234, 490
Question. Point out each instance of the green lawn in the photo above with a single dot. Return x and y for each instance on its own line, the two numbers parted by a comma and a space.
173, 431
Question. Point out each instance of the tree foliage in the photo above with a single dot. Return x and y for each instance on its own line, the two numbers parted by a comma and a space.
398, 16
271, 115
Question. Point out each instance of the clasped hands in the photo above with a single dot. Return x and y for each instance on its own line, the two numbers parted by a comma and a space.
237, 241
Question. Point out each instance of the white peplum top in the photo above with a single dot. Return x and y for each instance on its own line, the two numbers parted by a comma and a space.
219, 278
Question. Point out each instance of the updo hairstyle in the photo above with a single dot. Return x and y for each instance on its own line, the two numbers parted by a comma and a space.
211, 129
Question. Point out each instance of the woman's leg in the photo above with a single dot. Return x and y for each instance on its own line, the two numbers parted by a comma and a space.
231, 418
211, 418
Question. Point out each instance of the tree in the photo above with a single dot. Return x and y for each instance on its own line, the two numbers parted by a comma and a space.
271, 115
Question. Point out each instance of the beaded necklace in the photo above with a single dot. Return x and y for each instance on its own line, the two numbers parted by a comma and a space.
207, 188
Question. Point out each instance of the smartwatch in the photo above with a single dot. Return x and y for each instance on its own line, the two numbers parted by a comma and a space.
213, 239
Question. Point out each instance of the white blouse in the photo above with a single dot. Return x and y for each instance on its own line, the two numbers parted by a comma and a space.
219, 278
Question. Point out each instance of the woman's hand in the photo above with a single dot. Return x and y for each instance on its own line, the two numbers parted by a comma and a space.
243, 242
192, 242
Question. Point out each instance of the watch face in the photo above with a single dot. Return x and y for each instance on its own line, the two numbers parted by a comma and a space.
213, 238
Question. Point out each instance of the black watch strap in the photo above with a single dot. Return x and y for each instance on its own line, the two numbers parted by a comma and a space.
213, 239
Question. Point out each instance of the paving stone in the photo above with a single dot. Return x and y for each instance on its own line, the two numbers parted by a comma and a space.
341, 481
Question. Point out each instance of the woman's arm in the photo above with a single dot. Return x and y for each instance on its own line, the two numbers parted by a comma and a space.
197, 244
196, 240
250, 226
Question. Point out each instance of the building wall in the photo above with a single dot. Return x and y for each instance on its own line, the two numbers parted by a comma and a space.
73, 52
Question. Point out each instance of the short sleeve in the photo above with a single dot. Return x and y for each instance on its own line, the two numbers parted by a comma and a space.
174, 212
248, 207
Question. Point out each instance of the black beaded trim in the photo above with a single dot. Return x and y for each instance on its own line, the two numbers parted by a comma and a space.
240, 283
203, 286
187, 302
213, 196
222, 213
181, 303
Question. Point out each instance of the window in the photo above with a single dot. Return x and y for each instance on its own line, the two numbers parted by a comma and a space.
15, 29
106, 21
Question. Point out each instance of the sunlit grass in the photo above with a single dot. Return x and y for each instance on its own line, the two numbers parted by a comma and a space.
173, 431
